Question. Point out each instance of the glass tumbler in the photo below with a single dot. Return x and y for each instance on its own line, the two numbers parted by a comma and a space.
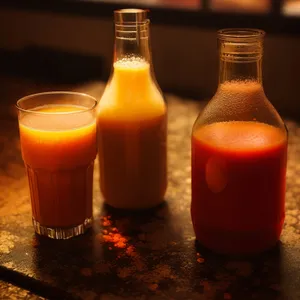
58, 144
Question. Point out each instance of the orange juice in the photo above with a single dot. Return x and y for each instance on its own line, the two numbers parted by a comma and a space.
58, 145
132, 124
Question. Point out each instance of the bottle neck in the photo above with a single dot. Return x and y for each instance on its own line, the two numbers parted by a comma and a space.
233, 71
132, 68
132, 42
240, 61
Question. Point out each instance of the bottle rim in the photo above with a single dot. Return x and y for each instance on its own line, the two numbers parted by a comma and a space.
240, 34
132, 25
131, 17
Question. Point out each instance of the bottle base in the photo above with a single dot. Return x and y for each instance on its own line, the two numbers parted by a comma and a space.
62, 233
238, 243
132, 208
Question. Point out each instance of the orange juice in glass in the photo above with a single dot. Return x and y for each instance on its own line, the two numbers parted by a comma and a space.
58, 144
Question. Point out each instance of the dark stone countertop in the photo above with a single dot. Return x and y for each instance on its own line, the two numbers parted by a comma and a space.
160, 259
10, 291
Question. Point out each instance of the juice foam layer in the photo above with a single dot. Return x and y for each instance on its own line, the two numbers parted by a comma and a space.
239, 136
57, 118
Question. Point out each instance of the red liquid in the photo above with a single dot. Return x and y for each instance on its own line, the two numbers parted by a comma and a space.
238, 186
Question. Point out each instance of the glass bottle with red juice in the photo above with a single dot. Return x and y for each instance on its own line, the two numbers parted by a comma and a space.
239, 155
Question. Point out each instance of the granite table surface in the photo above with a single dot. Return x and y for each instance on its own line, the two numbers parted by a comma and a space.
158, 257
10, 291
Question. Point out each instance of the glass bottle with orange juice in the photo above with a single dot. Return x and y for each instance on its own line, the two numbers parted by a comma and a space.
239, 153
132, 121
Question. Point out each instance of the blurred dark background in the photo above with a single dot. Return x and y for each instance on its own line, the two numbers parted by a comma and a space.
71, 42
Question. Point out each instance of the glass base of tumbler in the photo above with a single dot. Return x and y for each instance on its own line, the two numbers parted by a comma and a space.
62, 233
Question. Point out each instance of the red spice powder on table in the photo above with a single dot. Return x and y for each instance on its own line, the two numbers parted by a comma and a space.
112, 235
86, 272
106, 221
117, 239
130, 251
153, 287
200, 259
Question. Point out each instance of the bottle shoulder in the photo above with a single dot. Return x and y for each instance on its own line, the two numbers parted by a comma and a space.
131, 103
240, 102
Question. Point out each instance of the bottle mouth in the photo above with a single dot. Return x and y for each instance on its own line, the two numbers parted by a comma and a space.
243, 35
241, 44
131, 24
131, 16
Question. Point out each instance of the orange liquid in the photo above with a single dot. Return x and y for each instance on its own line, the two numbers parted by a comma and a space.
132, 139
59, 152
238, 186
